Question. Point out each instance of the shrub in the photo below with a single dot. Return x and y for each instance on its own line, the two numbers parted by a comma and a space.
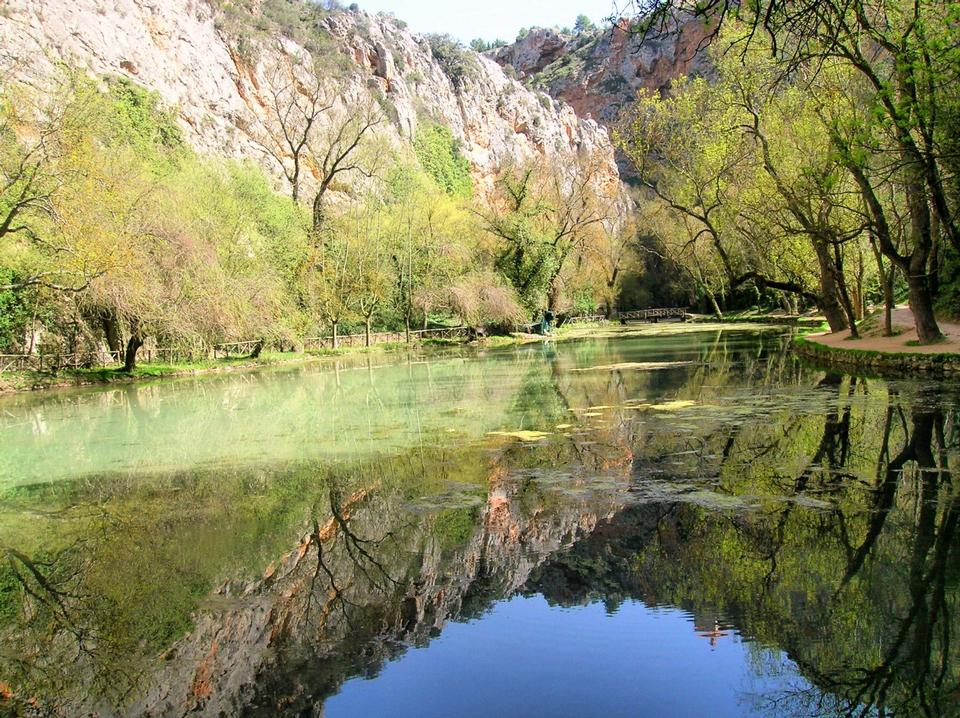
455, 60
438, 152
140, 119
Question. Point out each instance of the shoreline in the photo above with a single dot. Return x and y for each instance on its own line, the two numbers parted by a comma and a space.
899, 355
17, 383
21, 383
887, 364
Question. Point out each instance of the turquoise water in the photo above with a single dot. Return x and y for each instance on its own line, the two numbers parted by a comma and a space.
689, 524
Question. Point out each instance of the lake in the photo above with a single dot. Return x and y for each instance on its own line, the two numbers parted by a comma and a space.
688, 523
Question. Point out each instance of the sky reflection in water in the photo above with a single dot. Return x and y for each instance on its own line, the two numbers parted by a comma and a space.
526, 658
552, 530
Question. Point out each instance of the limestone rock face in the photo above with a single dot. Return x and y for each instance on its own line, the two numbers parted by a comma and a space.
537, 49
599, 73
179, 49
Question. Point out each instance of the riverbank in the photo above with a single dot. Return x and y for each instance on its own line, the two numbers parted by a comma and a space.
897, 355
26, 381
755, 316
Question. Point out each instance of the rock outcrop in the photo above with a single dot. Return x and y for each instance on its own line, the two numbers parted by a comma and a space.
215, 76
599, 73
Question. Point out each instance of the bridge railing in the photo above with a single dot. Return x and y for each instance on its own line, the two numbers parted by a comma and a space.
645, 315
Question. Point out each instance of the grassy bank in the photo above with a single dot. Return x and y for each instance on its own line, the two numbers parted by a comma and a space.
756, 316
36, 380
33, 380
20, 381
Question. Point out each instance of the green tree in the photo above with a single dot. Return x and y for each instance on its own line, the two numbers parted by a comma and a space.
583, 24
902, 59
540, 219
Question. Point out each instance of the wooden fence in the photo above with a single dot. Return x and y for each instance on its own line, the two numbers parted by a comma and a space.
55, 361
586, 319
44, 362
236, 349
61, 360
359, 340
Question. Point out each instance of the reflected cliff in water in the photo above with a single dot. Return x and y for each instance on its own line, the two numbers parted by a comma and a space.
810, 518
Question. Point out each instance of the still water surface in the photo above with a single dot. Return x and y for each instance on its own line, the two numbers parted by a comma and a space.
686, 524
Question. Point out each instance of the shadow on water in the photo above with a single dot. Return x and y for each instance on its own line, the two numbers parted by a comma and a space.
810, 518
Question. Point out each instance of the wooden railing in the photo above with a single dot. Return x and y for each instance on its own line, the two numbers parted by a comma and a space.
653, 315
585, 319
236, 349
359, 340
54, 361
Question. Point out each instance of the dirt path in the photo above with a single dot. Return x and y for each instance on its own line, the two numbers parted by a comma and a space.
902, 322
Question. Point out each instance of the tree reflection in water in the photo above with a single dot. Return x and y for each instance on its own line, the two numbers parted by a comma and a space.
853, 572
811, 514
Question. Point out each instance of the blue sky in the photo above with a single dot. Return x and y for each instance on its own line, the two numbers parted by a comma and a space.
488, 19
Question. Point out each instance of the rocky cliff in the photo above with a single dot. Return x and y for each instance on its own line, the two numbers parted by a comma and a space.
599, 72
210, 60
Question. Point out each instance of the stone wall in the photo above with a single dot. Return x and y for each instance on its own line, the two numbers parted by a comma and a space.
884, 364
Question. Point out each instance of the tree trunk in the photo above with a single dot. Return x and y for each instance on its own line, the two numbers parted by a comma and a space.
921, 300
319, 212
934, 271
257, 348
553, 296
366, 331
829, 300
844, 294
921, 304
336, 338
111, 331
133, 346
888, 302
860, 301
406, 327
886, 275
713, 304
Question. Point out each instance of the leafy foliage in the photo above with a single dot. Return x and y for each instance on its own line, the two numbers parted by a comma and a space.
825, 141
115, 234
138, 118
583, 24
439, 154
478, 44
457, 62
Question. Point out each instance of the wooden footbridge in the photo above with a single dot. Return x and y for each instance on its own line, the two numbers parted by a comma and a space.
653, 315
